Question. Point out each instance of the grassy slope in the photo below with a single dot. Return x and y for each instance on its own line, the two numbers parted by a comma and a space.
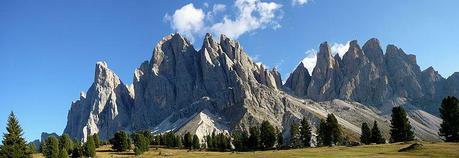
387, 150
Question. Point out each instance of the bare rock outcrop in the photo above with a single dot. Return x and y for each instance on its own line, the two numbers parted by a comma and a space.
104, 109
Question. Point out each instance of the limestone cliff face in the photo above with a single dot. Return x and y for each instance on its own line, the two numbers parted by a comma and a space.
104, 109
369, 76
298, 81
219, 88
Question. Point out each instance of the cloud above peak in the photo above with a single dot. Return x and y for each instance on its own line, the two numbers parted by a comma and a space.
187, 20
309, 62
247, 16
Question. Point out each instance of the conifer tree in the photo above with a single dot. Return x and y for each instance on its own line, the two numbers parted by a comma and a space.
120, 142
335, 135
140, 143
90, 147
14, 145
96, 140
366, 134
305, 131
187, 140
449, 112
77, 151
196, 144
63, 153
323, 133
295, 140
267, 135
400, 126
66, 143
254, 138
279, 138
376, 136
52, 147
240, 139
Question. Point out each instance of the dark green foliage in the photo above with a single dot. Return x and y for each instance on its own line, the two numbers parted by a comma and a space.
254, 138
400, 126
96, 140
366, 134
120, 142
170, 140
52, 147
31, 148
157, 140
42, 147
329, 131
305, 132
66, 143
279, 138
63, 153
179, 142
148, 136
449, 112
376, 136
295, 136
140, 143
222, 142
187, 140
14, 145
240, 140
77, 150
267, 135
334, 129
90, 147
322, 133
195, 142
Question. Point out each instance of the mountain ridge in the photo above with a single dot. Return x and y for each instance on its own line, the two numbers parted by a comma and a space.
220, 84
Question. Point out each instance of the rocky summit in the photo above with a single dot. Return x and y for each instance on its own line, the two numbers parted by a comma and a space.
220, 88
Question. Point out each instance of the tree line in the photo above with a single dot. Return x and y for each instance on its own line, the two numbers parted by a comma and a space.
262, 137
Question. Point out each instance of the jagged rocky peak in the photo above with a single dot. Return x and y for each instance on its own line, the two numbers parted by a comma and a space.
373, 51
104, 76
326, 76
104, 109
298, 81
354, 59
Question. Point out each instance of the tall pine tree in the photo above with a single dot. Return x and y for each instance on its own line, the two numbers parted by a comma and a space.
400, 126
96, 140
66, 143
196, 144
254, 138
334, 130
14, 145
449, 112
120, 142
52, 147
376, 136
267, 135
295, 140
90, 147
305, 131
323, 133
366, 134
279, 138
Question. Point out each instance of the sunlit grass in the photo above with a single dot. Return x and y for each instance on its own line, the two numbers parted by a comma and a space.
386, 150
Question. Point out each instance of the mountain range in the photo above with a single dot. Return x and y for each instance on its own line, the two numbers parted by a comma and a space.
220, 88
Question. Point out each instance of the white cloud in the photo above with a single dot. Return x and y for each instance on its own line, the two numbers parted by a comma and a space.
299, 2
250, 15
187, 20
310, 60
339, 48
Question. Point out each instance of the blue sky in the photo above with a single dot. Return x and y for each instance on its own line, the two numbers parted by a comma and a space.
48, 48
